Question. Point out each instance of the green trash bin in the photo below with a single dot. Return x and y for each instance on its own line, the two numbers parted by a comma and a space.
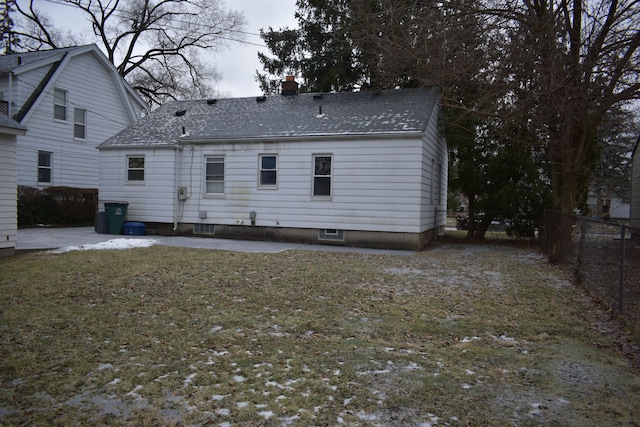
116, 217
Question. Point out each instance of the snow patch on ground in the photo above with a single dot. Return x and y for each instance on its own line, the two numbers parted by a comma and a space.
121, 243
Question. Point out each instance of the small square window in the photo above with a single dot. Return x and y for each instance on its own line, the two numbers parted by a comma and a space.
135, 168
44, 166
79, 123
59, 104
268, 171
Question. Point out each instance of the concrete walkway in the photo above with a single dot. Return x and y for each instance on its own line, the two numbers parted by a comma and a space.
56, 238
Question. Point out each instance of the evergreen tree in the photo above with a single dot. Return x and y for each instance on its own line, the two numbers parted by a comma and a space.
320, 52
9, 40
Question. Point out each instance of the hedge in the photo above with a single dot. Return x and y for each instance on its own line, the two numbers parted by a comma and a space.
56, 206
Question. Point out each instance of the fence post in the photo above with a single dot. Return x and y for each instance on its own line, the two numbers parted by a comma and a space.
582, 252
623, 235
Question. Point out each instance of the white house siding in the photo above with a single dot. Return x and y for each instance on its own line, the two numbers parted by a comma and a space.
75, 162
22, 86
434, 181
8, 194
150, 201
635, 189
374, 186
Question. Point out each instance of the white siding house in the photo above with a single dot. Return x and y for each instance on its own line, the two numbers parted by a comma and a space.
71, 100
362, 169
9, 131
635, 187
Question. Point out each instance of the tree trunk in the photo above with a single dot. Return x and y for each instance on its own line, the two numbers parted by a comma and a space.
568, 164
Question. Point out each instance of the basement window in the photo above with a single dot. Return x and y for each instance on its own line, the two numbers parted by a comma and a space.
331, 234
203, 229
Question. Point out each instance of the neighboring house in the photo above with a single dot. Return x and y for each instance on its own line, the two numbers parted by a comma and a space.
607, 208
10, 130
635, 187
359, 168
71, 100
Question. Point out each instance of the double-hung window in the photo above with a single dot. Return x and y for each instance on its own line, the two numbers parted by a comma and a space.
44, 167
214, 179
59, 104
135, 168
79, 123
322, 175
268, 170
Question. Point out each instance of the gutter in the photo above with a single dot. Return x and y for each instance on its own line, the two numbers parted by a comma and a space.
318, 137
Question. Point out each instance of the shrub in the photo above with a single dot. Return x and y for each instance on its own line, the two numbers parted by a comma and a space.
56, 206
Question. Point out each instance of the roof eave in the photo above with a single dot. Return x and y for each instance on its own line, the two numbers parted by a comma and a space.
138, 146
317, 137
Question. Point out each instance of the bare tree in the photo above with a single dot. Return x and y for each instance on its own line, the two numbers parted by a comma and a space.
154, 44
556, 67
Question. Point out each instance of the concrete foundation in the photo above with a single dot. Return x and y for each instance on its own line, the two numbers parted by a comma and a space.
364, 239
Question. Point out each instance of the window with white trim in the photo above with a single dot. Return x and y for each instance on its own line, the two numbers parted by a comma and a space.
79, 123
135, 168
322, 175
44, 166
59, 104
268, 170
214, 176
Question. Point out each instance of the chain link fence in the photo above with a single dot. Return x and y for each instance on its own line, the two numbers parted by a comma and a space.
605, 257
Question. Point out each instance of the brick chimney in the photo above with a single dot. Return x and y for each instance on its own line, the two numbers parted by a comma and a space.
290, 87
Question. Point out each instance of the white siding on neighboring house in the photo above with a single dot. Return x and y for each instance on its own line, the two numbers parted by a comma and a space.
617, 209
104, 102
9, 130
635, 187
8, 193
75, 161
23, 86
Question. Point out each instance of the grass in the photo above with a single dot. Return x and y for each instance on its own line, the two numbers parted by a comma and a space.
455, 335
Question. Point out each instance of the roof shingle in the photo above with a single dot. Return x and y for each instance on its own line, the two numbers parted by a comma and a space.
276, 116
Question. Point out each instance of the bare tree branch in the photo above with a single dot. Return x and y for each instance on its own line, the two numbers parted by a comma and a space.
141, 36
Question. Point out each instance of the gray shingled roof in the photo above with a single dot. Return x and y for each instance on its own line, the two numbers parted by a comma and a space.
277, 116
7, 122
15, 60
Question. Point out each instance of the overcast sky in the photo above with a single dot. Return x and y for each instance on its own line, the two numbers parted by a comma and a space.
239, 61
